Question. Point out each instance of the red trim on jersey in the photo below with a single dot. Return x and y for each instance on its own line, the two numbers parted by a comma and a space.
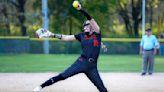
91, 37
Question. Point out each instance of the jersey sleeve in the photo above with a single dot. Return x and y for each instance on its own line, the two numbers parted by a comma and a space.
156, 43
78, 37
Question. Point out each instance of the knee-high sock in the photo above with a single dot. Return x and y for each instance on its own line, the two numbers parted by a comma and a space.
52, 80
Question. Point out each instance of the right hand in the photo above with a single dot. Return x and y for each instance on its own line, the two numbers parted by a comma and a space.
79, 5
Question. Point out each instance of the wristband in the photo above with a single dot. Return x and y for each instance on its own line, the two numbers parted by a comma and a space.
59, 36
86, 14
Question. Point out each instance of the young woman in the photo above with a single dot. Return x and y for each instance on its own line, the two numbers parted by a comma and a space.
90, 41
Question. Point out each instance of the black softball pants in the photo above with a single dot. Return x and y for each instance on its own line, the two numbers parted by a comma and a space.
90, 70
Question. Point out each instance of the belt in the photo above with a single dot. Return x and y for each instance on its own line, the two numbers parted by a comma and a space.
148, 50
88, 59
91, 60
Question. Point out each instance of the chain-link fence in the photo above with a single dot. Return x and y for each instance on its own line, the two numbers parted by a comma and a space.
27, 45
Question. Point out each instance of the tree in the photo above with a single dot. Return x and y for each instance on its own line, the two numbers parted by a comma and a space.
19, 5
131, 15
67, 20
136, 14
150, 7
7, 23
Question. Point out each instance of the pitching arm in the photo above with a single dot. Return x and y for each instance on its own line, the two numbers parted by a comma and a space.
93, 23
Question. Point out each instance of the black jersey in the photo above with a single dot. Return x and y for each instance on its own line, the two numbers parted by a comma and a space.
90, 45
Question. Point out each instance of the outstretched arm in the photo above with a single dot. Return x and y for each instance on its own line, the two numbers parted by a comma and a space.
44, 33
65, 37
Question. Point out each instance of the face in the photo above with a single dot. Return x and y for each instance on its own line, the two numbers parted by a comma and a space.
87, 28
148, 33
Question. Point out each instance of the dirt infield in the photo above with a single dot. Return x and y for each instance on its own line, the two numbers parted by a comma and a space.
115, 82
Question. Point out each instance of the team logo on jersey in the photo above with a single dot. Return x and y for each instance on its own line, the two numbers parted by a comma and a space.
91, 37
95, 43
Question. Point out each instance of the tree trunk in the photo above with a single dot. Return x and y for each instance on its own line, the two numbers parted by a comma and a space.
7, 24
22, 16
135, 13
151, 14
23, 27
136, 26
70, 26
20, 8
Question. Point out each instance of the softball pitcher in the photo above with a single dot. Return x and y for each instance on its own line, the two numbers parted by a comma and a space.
90, 41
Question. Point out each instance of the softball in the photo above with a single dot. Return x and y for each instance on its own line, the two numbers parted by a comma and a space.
75, 4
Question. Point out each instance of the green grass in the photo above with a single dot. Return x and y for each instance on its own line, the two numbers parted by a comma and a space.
58, 63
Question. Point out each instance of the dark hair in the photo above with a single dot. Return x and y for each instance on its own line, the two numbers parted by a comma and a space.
148, 30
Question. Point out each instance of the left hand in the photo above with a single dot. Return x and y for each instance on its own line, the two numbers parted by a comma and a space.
44, 33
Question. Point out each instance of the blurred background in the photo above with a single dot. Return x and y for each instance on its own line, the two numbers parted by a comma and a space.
120, 22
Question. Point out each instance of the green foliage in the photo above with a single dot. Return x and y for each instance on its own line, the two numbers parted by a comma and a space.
63, 18
2, 31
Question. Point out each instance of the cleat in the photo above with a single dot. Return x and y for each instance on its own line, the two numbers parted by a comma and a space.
142, 74
37, 89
